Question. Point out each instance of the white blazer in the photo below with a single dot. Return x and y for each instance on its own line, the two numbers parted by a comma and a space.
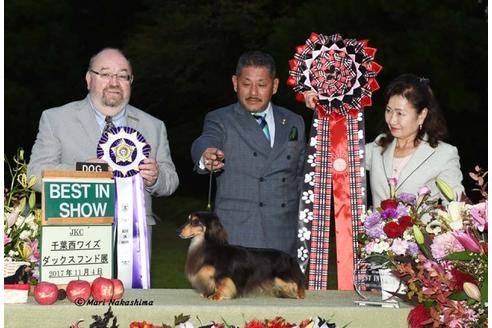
424, 166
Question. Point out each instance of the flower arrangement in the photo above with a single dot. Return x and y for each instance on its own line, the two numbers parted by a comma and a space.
439, 252
183, 321
21, 219
277, 322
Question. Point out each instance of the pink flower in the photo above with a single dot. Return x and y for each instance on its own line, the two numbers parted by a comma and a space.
399, 246
456, 323
423, 193
12, 217
35, 250
468, 240
479, 215
369, 247
6, 239
392, 182
444, 244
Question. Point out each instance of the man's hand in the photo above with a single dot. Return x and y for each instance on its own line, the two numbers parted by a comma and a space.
213, 159
149, 171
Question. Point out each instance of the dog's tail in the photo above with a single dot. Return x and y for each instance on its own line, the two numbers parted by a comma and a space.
290, 282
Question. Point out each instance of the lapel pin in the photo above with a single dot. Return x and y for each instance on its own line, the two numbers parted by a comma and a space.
284, 121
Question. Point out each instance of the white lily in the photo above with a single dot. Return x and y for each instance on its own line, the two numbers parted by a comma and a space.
433, 227
454, 216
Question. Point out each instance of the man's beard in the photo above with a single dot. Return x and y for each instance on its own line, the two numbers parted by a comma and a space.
112, 99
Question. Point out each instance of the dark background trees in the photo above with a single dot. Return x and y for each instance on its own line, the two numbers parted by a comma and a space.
184, 53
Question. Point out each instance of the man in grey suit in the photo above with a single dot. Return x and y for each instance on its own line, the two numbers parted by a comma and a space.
259, 160
70, 133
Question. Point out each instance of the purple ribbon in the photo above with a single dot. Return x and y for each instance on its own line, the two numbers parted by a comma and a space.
139, 234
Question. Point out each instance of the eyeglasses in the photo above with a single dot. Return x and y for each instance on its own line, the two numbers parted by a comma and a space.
122, 77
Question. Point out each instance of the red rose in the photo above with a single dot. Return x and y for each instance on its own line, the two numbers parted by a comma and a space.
393, 230
460, 278
418, 316
405, 221
389, 203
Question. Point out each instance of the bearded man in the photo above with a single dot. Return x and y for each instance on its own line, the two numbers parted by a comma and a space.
71, 133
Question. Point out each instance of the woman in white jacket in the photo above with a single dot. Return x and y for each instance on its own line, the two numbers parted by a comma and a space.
412, 148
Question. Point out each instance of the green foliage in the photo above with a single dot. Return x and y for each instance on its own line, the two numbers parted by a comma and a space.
484, 291
458, 296
460, 256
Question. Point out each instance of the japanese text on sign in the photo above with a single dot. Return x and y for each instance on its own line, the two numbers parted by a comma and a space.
69, 252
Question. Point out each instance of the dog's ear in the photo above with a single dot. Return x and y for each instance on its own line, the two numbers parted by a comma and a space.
215, 230
26, 274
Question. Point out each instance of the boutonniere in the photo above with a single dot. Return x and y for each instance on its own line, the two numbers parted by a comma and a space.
293, 134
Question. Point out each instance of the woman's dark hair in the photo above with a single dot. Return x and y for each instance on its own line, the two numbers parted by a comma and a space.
418, 92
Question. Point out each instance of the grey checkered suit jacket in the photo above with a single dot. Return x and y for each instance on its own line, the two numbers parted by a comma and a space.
257, 197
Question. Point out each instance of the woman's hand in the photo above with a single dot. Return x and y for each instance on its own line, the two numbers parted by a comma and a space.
310, 99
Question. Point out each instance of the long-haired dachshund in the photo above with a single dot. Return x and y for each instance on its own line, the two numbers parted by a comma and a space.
219, 271
21, 275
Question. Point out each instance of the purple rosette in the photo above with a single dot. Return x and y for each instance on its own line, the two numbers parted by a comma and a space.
123, 148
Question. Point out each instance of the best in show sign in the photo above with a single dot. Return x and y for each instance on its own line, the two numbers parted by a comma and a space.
77, 235
74, 197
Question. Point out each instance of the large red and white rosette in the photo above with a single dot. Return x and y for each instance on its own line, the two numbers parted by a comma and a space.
342, 72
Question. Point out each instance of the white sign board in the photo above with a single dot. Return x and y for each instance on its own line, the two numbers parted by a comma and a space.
76, 251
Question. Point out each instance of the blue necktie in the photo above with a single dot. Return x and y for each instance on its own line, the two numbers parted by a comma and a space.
263, 124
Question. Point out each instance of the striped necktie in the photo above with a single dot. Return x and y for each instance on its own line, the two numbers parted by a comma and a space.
263, 124
109, 124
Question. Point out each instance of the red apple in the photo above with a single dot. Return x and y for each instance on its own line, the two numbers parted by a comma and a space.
102, 289
46, 293
78, 289
118, 289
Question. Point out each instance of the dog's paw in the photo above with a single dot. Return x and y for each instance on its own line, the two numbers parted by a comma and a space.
216, 297
219, 296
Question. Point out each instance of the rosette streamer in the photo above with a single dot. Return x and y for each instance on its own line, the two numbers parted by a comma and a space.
124, 148
342, 72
